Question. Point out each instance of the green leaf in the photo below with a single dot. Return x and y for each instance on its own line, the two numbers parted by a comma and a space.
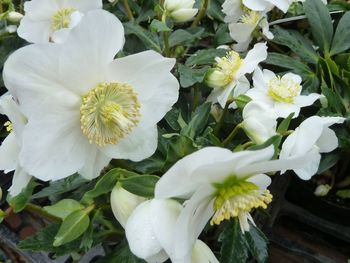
121, 254
190, 76
215, 10
334, 101
73, 226
234, 248
296, 42
183, 37
284, 125
19, 202
172, 117
257, 243
141, 185
345, 194
178, 147
159, 26
63, 208
198, 122
328, 161
320, 22
341, 40
205, 56
149, 39
242, 100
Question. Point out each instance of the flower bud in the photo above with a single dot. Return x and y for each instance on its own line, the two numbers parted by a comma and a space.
322, 190
202, 253
14, 17
215, 79
123, 203
11, 29
180, 10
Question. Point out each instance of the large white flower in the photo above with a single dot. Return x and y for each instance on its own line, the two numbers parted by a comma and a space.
312, 136
283, 94
84, 107
150, 232
228, 77
260, 5
219, 184
259, 122
51, 20
10, 147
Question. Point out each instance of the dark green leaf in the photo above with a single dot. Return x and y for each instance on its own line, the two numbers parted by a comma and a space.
141, 185
183, 37
121, 254
284, 125
341, 40
205, 57
320, 22
63, 208
345, 194
172, 119
242, 100
73, 226
190, 76
215, 10
159, 26
328, 161
19, 202
257, 243
150, 40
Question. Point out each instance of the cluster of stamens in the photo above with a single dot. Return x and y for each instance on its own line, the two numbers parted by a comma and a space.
237, 197
9, 126
109, 112
228, 66
283, 89
61, 19
250, 17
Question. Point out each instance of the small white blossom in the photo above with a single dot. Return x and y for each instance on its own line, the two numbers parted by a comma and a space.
180, 10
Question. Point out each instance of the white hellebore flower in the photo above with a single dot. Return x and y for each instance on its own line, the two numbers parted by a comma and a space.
220, 185
259, 122
123, 203
180, 10
243, 22
51, 20
228, 77
312, 136
260, 5
283, 94
150, 232
85, 108
10, 147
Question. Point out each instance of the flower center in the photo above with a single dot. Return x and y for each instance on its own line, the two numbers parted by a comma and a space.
237, 197
109, 112
61, 19
250, 17
229, 66
9, 126
283, 89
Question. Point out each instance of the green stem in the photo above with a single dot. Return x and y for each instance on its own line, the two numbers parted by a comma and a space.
232, 135
196, 97
40, 211
221, 121
128, 10
166, 38
247, 144
201, 14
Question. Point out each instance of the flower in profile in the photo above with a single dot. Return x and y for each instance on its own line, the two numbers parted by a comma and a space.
180, 10
228, 79
150, 233
10, 147
312, 136
85, 108
217, 185
283, 94
259, 122
51, 20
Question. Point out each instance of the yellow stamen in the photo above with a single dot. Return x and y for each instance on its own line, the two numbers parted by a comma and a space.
61, 19
250, 17
9, 126
109, 112
283, 89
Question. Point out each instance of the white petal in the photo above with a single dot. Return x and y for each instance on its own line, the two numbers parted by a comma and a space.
140, 144
140, 234
303, 101
40, 9
9, 151
88, 50
184, 14
253, 58
20, 181
180, 173
202, 253
328, 141
34, 31
257, 5
259, 79
86, 5
221, 95
283, 110
149, 74
60, 36
232, 10
94, 163
283, 5
241, 32
309, 169
261, 180
162, 256
291, 76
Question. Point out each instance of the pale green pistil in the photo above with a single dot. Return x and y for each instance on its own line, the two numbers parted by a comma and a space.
283, 89
61, 19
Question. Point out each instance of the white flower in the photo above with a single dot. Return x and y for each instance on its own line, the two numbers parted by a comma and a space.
312, 136
260, 5
259, 122
283, 94
47, 20
150, 233
219, 184
84, 107
180, 10
243, 21
10, 147
228, 77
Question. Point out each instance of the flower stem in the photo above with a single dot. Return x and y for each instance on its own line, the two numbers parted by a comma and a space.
221, 121
165, 38
40, 211
201, 14
196, 97
128, 10
232, 135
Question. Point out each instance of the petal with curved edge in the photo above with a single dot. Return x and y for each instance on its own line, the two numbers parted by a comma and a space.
291, 76
202, 253
161, 257
34, 31
180, 173
184, 14
149, 75
303, 101
88, 50
258, 5
232, 10
140, 234
241, 32
86, 5
94, 163
260, 79
19, 182
283, 110
192, 220
311, 167
9, 152
140, 144
283, 5
261, 180
40, 9
253, 58
328, 141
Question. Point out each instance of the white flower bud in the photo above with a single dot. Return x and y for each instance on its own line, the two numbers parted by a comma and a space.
180, 10
14, 17
215, 79
11, 29
123, 203
322, 190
